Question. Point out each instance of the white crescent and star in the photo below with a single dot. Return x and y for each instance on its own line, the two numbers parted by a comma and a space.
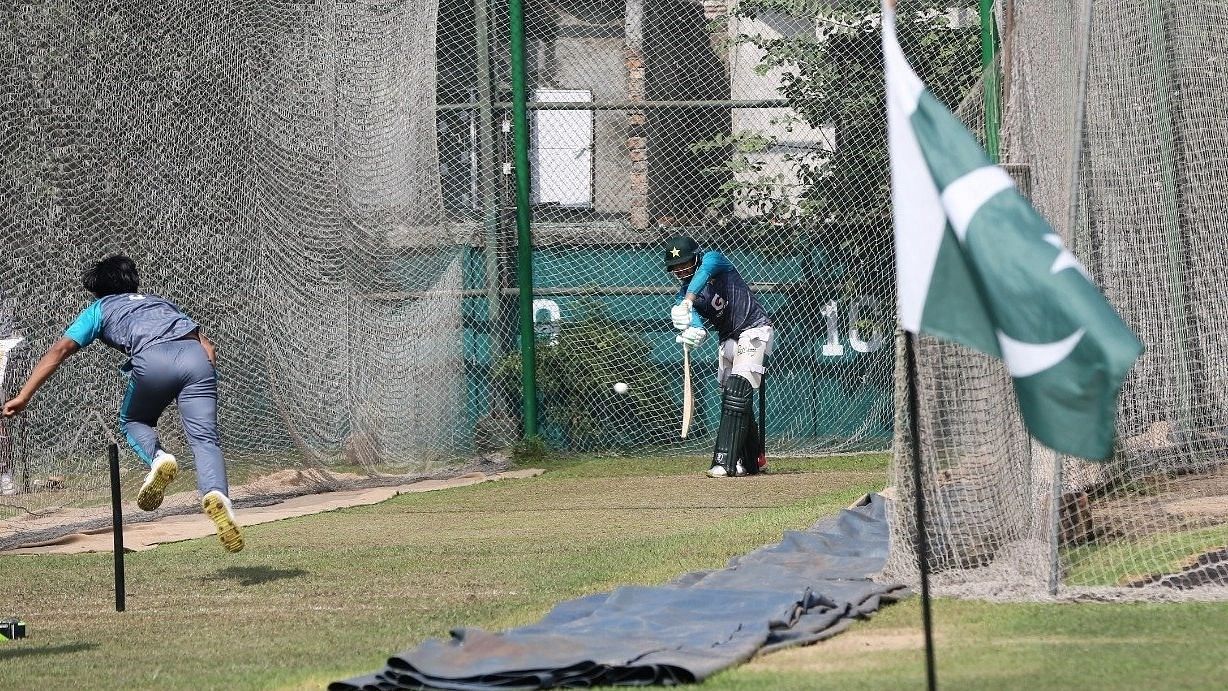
1025, 359
1064, 259
962, 199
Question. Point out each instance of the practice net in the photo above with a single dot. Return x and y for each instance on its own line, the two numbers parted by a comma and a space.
327, 187
272, 167
1007, 518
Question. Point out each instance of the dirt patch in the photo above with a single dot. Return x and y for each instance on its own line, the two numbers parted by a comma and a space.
147, 535
1210, 507
840, 653
292, 478
1158, 504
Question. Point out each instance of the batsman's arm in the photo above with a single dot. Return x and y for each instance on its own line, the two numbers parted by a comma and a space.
60, 351
713, 263
682, 295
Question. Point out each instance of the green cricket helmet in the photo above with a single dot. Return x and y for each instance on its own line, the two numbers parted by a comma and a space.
680, 250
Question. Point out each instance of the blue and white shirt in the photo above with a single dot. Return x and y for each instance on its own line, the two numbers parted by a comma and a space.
722, 298
130, 322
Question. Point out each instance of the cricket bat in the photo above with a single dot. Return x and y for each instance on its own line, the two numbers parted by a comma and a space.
688, 401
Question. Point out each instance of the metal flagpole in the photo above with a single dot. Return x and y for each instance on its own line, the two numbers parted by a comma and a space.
922, 541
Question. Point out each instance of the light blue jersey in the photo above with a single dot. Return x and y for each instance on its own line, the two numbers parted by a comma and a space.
722, 298
130, 322
165, 368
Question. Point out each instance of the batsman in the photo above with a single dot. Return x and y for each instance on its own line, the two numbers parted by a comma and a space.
712, 292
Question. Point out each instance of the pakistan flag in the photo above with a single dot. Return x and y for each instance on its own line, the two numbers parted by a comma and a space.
978, 265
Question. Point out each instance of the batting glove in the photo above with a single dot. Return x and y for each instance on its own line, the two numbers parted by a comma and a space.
681, 315
692, 336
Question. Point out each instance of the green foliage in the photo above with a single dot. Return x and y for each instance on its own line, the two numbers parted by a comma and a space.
833, 81
575, 377
529, 450
764, 195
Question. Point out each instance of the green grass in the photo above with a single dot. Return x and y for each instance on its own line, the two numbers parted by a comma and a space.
325, 597
1124, 561
1009, 646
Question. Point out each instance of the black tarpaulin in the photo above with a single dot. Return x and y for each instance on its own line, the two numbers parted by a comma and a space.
809, 586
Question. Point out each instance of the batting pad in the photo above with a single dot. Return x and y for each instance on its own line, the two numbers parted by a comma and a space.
810, 586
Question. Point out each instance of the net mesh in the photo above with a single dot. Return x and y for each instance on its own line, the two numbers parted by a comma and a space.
746, 126
327, 187
273, 169
1009, 518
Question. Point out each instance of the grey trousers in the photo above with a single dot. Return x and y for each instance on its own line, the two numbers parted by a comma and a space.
177, 371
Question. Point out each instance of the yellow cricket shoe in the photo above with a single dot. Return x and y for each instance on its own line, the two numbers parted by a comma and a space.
217, 507
161, 473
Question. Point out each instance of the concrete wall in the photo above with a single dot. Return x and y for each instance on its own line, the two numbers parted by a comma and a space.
747, 84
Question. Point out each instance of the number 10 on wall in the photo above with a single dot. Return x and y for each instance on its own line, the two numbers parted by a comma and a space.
863, 315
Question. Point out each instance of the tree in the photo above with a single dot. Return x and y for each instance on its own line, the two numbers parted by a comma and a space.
833, 81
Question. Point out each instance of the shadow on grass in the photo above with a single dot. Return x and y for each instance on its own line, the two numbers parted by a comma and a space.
14, 650
256, 575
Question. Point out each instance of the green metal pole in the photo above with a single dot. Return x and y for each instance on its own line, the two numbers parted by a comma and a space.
487, 173
524, 235
989, 77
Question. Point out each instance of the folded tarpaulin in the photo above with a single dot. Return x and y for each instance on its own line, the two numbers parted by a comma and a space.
807, 587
